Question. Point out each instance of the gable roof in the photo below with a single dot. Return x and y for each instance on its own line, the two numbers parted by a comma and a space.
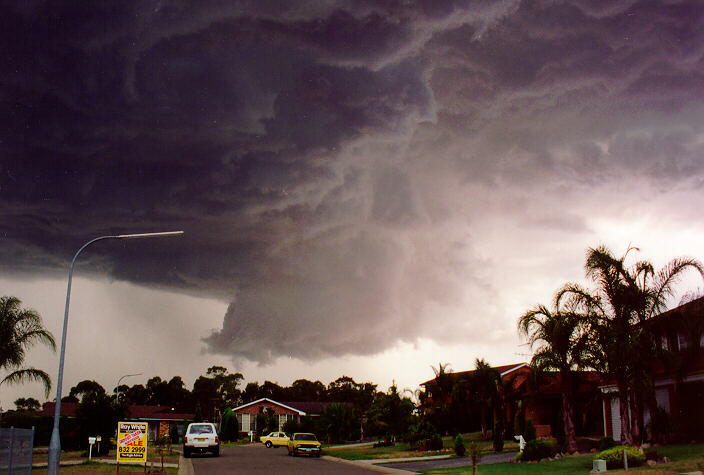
271, 401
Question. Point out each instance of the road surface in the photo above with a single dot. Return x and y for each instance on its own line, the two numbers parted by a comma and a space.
259, 459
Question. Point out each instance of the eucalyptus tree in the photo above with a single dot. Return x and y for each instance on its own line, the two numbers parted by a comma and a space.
20, 329
624, 299
561, 341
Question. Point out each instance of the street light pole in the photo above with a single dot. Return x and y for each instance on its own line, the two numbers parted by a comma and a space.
55, 443
117, 389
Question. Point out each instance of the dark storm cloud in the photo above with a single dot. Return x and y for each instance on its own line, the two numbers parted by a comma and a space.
307, 148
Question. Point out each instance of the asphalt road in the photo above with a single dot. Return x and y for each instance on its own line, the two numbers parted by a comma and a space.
259, 459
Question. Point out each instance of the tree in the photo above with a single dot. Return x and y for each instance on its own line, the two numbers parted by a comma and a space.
216, 391
624, 299
440, 396
27, 404
392, 413
562, 342
87, 390
20, 329
305, 390
485, 385
339, 421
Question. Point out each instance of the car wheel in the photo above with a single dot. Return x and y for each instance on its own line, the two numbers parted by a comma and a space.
317, 455
216, 452
186, 452
289, 452
268, 444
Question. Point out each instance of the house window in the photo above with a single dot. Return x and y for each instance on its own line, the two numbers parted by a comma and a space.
244, 420
681, 341
283, 418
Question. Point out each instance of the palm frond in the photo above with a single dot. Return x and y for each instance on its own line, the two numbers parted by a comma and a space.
27, 375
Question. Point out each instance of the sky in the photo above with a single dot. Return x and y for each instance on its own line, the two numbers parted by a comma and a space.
366, 188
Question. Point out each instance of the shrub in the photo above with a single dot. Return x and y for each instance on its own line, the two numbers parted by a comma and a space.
606, 443
498, 437
614, 456
173, 434
291, 426
460, 449
435, 442
537, 450
529, 433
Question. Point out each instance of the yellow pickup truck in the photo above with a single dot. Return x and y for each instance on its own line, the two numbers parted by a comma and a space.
274, 439
302, 443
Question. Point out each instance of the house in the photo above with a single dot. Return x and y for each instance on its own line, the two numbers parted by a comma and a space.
160, 419
678, 381
537, 396
283, 411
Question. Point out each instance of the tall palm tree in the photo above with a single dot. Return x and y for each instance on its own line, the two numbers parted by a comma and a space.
19, 330
440, 394
625, 297
563, 344
485, 383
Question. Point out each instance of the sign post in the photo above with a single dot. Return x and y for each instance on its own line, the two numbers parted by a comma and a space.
131, 442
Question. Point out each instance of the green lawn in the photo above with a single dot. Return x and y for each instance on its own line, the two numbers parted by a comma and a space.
685, 458
402, 449
101, 469
574, 464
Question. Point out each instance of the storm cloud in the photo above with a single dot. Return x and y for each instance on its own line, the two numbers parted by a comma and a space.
337, 167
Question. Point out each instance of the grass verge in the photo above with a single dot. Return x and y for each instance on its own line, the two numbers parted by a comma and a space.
685, 458
403, 450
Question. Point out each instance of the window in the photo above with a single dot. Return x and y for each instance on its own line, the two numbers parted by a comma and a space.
681, 341
283, 418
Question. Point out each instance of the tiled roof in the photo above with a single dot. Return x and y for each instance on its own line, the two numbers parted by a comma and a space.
135, 411
68, 409
309, 407
462, 374
157, 413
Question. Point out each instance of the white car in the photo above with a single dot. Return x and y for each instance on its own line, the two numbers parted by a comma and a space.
201, 437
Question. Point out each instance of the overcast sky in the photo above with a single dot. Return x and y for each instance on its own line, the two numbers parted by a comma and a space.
366, 188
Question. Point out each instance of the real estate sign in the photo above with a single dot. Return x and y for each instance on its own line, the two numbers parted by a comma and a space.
132, 442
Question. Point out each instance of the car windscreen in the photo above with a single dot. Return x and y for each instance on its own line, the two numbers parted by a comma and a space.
305, 437
200, 430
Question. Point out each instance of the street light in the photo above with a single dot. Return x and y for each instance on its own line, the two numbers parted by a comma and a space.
117, 389
55, 443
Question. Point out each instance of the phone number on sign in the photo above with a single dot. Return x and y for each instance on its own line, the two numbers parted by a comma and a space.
131, 450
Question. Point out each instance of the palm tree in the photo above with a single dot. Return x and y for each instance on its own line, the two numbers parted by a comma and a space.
440, 394
485, 384
19, 330
626, 297
563, 345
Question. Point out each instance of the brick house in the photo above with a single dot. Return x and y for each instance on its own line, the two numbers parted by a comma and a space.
160, 419
283, 411
678, 382
527, 395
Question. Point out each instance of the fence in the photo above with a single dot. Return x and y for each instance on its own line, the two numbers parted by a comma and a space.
16, 447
